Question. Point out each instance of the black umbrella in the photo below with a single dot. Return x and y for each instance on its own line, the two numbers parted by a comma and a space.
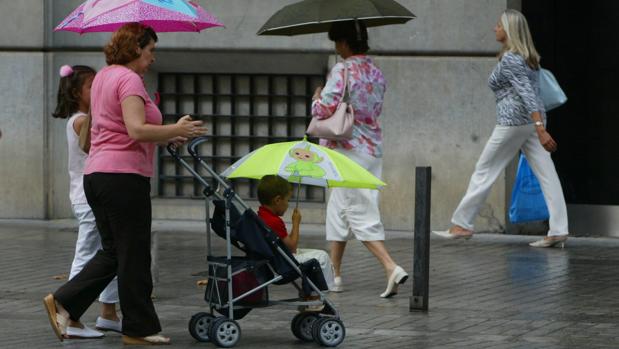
316, 16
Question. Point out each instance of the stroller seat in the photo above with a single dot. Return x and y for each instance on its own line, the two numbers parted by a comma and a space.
250, 234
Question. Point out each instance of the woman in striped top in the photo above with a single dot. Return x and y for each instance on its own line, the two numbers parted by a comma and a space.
520, 125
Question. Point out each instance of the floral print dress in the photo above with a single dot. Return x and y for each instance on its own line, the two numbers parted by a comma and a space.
366, 89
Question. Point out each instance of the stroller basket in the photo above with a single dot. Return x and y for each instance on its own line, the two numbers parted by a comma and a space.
247, 276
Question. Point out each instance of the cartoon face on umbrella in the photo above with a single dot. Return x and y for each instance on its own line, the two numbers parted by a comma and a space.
305, 163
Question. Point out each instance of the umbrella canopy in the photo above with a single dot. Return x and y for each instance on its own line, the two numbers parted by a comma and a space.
161, 15
316, 16
305, 163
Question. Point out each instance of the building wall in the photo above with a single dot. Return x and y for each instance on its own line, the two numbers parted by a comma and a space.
22, 146
438, 110
22, 24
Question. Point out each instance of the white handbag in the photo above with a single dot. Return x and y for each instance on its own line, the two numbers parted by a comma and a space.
550, 92
339, 125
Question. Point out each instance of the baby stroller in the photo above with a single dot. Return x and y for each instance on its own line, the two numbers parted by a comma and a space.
238, 284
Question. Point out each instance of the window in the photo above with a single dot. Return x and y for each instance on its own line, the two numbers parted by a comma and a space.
242, 112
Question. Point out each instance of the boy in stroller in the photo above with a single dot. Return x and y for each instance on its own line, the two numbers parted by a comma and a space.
274, 192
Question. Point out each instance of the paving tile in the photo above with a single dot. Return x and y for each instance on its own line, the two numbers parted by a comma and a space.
489, 292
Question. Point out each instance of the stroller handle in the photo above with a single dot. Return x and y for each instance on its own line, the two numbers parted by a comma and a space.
192, 149
173, 151
193, 145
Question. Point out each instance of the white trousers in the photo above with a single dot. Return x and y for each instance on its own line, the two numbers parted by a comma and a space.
87, 245
355, 211
501, 148
305, 254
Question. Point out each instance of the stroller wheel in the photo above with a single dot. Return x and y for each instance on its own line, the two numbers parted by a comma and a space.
328, 331
199, 326
301, 326
225, 333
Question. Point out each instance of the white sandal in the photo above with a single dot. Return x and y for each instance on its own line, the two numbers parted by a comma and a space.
108, 325
82, 333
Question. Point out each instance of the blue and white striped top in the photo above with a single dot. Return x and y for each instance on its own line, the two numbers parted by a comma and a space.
516, 87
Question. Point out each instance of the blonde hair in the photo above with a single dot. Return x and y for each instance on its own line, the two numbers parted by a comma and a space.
519, 38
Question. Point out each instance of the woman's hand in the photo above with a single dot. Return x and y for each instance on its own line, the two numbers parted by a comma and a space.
317, 93
189, 128
177, 141
546, 140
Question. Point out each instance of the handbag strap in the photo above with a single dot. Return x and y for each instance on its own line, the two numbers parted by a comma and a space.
346, 94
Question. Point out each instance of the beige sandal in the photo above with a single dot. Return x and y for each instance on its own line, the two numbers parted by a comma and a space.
149, 340
58, 322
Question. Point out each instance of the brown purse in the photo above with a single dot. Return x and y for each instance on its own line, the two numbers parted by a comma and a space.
339, 125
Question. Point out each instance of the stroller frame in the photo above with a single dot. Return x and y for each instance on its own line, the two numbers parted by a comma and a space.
324, 327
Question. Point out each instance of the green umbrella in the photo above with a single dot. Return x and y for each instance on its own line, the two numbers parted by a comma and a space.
316, 16
303, 162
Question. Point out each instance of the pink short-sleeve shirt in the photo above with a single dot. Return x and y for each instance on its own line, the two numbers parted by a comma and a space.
111, 148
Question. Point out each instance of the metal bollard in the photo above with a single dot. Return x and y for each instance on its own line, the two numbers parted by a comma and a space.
421, 241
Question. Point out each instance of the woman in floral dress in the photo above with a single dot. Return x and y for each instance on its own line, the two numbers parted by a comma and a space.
354, 212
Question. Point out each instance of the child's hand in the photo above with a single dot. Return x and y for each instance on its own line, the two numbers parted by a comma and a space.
296, 216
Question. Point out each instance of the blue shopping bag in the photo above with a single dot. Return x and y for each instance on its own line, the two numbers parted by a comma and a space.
528, 202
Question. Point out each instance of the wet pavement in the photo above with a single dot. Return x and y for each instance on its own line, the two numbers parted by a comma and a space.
492, 291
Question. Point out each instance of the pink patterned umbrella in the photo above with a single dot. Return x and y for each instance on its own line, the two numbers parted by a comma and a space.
161, 15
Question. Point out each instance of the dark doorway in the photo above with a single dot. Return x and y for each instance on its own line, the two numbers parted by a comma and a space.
579, 43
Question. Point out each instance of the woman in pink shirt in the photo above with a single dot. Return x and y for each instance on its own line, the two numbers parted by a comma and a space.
126, 125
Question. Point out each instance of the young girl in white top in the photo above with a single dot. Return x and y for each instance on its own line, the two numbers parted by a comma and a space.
74, 103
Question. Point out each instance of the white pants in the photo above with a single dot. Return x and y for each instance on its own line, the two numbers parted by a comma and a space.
501, 148
87, 245
305, 254
355, 211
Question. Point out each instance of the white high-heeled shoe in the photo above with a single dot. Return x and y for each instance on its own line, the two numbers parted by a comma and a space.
446, 234
398, 277
550, 242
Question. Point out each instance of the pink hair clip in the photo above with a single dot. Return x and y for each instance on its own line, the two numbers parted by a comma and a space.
66, 70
